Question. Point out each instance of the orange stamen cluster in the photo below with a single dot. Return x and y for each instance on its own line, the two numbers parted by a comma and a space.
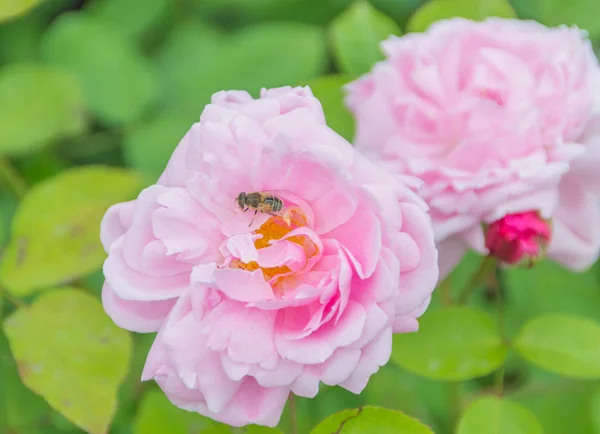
276, 228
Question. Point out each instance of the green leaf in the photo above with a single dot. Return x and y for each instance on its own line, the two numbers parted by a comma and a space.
595, 411
270, 55
19, 39
549, 288
187, 53
567, 345
492, 415
119, 83
157, 415
370, 419
356, 34
10, 9
456, 343
149, 146
399, 10
249, 429
305, 11
472, 9
582, 13
21, 410
132, 20
55, 230
38, 105
396, 389
562, 406
68, 351
328, 89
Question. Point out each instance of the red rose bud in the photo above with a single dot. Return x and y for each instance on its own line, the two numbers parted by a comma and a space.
518, 237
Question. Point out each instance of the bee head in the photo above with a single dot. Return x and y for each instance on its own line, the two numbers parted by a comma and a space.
241, 200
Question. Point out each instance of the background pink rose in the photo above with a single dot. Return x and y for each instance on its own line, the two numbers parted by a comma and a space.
494, 117
248, 308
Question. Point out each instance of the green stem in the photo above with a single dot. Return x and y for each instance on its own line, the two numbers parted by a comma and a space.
446, 292
12, 178
293, 413
487, 266
454, 403
496, 281
499, 381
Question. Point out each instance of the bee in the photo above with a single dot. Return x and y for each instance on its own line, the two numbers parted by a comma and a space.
263, 202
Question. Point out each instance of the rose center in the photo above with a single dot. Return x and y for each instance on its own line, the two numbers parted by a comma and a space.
276, 228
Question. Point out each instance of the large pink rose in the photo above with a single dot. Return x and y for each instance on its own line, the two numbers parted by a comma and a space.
249, 308
494, 117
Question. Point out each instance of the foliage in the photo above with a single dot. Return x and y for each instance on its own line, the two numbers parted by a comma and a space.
94, 97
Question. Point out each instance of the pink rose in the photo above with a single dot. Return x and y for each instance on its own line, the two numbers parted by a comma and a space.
249, 308
494, 118
517, 237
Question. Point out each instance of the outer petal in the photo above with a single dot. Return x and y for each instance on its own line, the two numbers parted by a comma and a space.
137, 316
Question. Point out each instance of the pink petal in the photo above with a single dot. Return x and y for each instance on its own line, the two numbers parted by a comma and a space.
373, 356
137, 316
133, 285
242, 285
320, 345
364, 249
333, 208
115, 223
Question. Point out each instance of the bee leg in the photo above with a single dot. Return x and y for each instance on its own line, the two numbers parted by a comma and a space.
255, 212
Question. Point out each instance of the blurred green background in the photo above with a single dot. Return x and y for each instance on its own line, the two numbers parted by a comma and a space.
94, 97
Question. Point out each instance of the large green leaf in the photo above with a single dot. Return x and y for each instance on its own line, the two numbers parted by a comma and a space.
582, 13
10, 9
371, 419
394, 388
196, 62
68, 351
549, 288
38, 105
119, 83
131, 19
356, 34
157, 415
399, 10
561, 405
492, 415
436, 10
187, 54
456, 343
55, 229
149, 145
567, 345
595, 411
21, 410
19, 39
328, 89
249, 429
318, 12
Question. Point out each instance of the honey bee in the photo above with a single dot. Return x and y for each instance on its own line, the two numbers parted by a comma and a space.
263, 202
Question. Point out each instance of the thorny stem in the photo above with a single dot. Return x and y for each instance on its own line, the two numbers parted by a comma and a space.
293, 413
487, 266
12, 178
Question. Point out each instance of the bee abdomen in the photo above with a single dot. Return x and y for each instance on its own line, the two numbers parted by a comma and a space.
275, 203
